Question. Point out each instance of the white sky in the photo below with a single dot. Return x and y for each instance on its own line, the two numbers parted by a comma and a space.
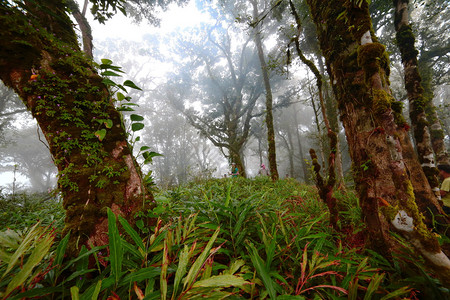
175, 18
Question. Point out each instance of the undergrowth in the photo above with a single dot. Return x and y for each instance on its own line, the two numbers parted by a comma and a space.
231, 238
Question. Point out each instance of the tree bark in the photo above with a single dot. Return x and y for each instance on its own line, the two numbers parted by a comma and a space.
332, 113
40, 59
383, 161
417, 100
85, 28
300, 150
435, 126
272, 156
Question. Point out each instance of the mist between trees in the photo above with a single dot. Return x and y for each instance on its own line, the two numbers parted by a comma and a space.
188, 75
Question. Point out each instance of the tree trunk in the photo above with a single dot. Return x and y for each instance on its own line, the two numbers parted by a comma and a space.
235, 157
272, 156
85, 28
417, 100
291, 153
377, 139
436, 128
332, 113
300, 150
40, 59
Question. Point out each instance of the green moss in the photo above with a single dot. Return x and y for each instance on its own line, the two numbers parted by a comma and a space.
370, 57
405, 41
381, 101
397, 108
389, 211
425, 236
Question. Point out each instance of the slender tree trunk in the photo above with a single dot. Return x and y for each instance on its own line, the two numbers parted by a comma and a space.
435, 126
300, 150
83, 24
272, 156
291, 153
332, 113
415, 91
437, 135
377, 138
319, 131
40, 59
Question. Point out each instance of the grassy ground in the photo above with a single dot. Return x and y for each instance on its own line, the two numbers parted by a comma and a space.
222, 238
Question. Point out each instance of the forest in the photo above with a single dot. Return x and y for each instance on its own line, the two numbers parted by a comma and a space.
238, 149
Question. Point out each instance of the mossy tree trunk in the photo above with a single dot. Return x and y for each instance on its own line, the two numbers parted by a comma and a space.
272, 156
416, 96
236, 157
41, 60
435, 126
380, 149
325, 187
332, 113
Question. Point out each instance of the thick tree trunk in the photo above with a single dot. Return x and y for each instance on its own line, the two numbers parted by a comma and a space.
272, 156
235, 157
40, 59
377, 138
415, 92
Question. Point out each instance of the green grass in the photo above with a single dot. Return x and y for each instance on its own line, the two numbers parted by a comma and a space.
222, 238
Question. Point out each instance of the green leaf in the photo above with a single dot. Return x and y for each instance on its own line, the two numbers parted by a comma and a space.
148, 155
141, 275
221, 281
9, 239
100, 134
59, 255
144, 148
124, 108
397, 293
134, 118
78, 274
115, 246
137, 126
24, 246
108, 82
181, 269
196, 267
75, 293
108, 123
109, 73
97, 290
133, 234
120, 96
131, 84
82, 256
42, 248
106, 61
262, 271
38, 292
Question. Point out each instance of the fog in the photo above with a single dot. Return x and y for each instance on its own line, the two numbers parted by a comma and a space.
202, 93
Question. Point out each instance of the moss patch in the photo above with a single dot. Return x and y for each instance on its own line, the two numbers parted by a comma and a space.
405, 41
